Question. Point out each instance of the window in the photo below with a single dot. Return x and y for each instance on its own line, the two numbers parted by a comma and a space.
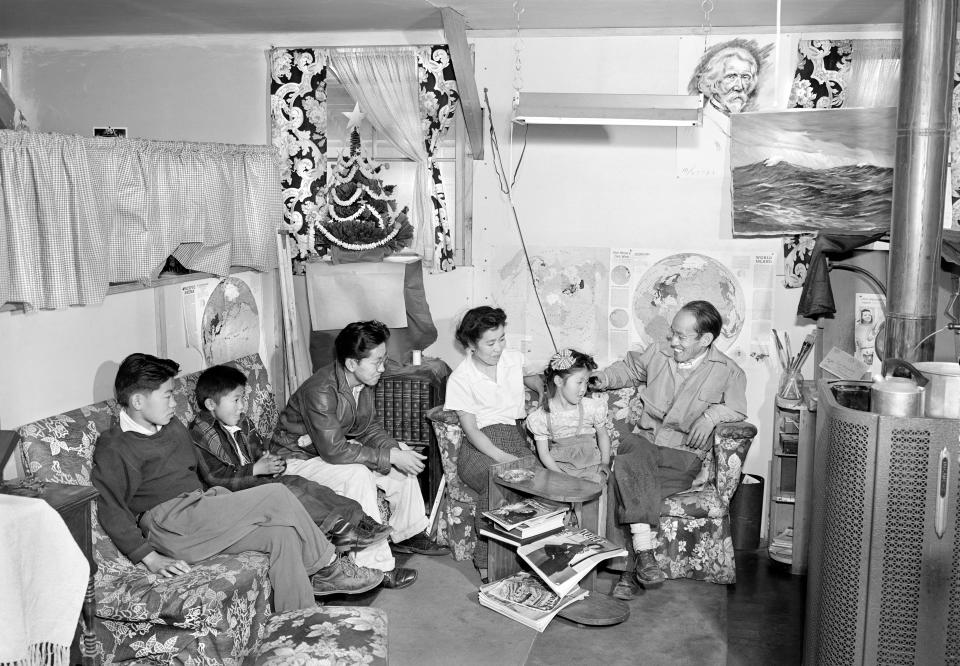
453, 158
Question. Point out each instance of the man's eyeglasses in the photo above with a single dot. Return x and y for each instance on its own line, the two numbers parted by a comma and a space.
672, 334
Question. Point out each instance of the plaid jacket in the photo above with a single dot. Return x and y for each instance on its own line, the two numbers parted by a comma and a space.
218, 463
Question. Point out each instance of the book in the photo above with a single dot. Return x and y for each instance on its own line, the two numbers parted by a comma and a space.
523, 598
490, 529
525, 517
406, 402
564, 558
532, 531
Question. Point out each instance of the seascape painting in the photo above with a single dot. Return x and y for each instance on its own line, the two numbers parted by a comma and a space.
806, 171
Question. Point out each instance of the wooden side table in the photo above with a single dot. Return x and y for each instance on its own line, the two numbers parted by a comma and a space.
547, 484
74, 503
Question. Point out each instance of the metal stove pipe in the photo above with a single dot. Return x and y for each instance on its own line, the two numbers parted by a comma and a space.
920, 173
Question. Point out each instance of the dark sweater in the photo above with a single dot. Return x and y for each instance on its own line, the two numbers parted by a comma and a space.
136, 472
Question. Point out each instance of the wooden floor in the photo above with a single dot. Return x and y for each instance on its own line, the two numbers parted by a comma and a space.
764, 613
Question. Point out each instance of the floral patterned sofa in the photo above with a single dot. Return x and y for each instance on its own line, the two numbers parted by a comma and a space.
694, 535
219, 612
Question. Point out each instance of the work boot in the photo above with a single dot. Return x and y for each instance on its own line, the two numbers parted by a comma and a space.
647, 571
344, 576
626, 588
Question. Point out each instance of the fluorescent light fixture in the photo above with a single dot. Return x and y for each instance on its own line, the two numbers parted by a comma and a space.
596, 109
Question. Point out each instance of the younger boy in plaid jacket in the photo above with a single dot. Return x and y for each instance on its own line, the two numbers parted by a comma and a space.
233, 456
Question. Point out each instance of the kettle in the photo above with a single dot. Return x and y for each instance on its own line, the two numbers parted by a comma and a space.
898, 395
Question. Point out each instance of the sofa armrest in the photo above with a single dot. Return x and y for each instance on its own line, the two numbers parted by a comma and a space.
731, 443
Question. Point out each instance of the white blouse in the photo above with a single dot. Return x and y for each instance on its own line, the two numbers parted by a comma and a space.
501, 401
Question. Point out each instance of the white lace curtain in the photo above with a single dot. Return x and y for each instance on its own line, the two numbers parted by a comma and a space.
80, 213
385, 82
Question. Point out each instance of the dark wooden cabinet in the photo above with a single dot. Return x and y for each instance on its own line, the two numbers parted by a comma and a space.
74, 503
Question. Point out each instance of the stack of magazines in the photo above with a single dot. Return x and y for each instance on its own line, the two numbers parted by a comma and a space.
523, 522
524, 598
560, 561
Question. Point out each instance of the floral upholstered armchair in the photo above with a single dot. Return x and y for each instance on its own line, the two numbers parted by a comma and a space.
458, 507
694, 539
694, 535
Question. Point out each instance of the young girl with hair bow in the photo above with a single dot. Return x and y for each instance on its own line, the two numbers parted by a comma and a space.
570, 429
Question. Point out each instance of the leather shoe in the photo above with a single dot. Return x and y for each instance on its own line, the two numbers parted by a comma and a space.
366, 533
399, 578
626, 588
647, 571
420, 544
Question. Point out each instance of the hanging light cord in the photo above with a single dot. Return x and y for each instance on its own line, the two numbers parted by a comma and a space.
707, 6
517, 86
506, 186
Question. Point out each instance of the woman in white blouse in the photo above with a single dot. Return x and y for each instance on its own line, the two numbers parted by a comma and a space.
487, 392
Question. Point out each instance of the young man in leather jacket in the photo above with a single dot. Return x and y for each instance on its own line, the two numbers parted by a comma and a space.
329, 432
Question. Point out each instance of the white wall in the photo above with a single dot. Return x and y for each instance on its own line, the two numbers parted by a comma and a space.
599, 186
56, 361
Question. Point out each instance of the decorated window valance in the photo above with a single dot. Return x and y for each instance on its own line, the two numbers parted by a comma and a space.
81, 213
299, 115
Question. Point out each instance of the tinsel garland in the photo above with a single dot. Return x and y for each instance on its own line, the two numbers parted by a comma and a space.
360, 246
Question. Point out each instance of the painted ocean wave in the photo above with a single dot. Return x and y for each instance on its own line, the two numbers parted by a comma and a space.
783, 198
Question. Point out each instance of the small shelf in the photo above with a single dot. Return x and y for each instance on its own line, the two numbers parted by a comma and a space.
794, 433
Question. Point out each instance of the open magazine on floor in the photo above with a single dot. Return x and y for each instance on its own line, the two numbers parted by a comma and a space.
527, 517
564, 558
524, 598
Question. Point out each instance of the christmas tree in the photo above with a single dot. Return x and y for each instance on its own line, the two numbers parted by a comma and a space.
361, 211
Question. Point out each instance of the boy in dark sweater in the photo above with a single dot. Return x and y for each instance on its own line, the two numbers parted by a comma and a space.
232, 455
152, 503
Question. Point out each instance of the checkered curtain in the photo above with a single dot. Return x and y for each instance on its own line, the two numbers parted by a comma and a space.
438, 103
210, 205
53, 243
80, 213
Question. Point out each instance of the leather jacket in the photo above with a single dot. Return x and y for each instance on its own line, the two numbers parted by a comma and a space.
342, 431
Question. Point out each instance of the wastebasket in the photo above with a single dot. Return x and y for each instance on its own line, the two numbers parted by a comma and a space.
746, 512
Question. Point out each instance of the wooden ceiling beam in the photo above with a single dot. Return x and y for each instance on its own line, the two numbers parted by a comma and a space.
455, 31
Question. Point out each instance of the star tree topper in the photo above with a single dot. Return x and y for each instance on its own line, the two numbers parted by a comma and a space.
355, 117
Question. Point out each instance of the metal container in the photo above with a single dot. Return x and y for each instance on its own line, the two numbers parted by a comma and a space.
897, 396
943, 391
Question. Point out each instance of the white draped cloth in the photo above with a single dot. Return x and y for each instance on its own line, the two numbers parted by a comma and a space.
386, 84
43, 579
